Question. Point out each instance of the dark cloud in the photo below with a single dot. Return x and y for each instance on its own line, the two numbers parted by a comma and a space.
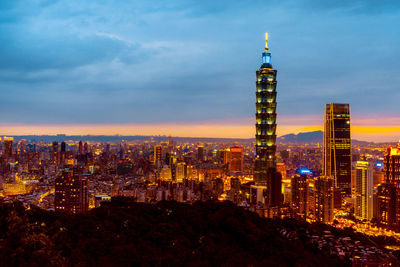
138, 61
26, 51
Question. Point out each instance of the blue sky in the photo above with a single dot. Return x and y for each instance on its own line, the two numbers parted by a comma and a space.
122, 61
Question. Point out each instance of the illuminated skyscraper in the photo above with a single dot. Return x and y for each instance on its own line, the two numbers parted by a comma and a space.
180, 171
364, 195
265, 173
337, 145
236, 159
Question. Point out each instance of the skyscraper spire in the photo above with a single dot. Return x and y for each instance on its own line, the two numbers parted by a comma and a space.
266, 42
266, 55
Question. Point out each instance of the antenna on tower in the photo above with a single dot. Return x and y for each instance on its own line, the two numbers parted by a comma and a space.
266, 42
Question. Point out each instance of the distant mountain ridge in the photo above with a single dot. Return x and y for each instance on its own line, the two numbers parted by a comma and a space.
307, 137
300, 138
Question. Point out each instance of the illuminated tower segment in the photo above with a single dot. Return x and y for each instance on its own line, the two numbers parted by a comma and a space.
265, 118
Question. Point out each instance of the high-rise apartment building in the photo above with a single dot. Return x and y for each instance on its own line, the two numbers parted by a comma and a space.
337, 145
180, 171
364, 194
71, 193
236, 159
299, 198
157, 155
323, 194
265, 173
8, 146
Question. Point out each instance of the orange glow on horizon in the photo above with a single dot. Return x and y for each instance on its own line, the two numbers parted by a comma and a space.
231, 128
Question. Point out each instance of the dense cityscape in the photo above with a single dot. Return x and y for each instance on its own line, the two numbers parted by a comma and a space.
325, 180
212, 195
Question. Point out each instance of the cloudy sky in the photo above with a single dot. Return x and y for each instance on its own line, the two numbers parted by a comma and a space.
159, 67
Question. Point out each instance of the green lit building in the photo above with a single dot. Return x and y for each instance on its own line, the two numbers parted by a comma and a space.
265, 174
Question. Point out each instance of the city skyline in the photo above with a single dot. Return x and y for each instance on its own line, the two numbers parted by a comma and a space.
96, 76
164, 133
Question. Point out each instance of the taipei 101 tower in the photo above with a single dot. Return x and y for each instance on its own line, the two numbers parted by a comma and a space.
267, 179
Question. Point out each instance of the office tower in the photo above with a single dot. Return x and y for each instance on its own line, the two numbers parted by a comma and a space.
226, 155
323, 194
157, 156
337, 146
236, 159
200, 153
180, 171
71, 193
54, 151
389, 192
8, 146
299, 199
80, 149
265, 173
364, 194
63, 152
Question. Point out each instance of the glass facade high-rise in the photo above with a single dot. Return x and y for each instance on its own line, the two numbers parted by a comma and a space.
337, 145
265, 173
364, 194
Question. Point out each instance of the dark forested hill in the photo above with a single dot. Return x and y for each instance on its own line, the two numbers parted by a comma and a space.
167, 233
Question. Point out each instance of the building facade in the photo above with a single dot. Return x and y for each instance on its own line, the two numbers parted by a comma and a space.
364, 190
71, 193
157, 156
265, 173
236, 159
299, 199
323, 194
389, 192
337, 146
